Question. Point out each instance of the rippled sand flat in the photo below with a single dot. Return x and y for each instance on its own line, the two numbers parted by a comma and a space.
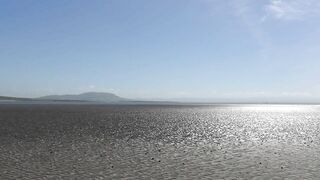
160, 142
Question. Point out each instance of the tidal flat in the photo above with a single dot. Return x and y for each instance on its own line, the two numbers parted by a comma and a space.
159, 141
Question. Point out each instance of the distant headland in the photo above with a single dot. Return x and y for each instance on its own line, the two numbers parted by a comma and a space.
83, 98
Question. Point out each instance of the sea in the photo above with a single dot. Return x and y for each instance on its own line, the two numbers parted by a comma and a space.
184, 141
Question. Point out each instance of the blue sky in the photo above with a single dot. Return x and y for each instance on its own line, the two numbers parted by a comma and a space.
161, 49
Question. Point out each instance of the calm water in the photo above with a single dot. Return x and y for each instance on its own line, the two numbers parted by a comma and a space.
160, 142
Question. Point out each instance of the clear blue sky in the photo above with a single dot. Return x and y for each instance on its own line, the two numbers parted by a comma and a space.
161, 49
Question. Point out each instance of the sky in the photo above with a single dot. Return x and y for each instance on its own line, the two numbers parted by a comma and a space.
164, 49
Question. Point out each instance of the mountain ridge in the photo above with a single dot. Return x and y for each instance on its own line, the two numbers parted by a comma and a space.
9, 98
87, 96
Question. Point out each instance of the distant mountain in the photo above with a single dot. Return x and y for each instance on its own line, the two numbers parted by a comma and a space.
7, 98
89, 96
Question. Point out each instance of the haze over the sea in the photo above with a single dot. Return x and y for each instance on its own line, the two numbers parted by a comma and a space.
162, 50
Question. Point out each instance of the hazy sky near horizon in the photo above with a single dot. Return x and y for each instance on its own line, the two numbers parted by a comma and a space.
161, 49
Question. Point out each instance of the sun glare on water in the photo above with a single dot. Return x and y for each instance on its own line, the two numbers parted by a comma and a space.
278, 108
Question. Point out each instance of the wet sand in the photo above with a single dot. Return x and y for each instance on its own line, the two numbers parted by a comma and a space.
160, 142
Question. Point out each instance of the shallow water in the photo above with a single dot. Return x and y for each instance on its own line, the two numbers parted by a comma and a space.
160, 142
